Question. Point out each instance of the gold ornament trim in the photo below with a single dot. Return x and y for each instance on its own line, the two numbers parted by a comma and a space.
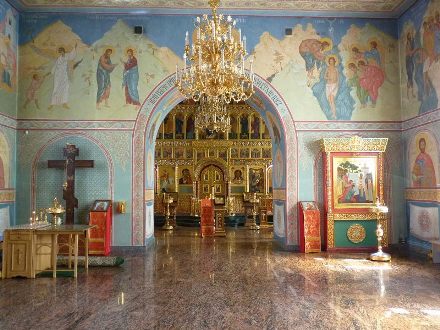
356, 233
330, 231
421, 194
354, 216
7, 196
174, 162
251, 162
232, 109
354, 144
205, 144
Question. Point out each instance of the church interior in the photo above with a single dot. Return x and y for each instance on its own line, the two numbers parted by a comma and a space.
219, 164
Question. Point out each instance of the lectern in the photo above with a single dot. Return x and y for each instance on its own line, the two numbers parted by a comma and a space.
101, 234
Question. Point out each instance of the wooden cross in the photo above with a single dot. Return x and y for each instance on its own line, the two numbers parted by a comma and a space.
69, 165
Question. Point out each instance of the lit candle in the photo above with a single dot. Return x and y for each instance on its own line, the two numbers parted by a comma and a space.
244, 44
186, 38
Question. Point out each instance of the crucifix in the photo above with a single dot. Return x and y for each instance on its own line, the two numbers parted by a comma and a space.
69, 165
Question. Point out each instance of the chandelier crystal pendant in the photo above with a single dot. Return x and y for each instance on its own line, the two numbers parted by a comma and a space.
214, 66
212, 115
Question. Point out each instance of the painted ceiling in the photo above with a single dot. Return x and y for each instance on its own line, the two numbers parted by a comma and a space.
385, 6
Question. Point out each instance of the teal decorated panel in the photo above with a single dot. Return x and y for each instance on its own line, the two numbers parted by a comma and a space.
90, 183
341, 238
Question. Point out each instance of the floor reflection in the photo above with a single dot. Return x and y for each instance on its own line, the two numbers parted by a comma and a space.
240, 281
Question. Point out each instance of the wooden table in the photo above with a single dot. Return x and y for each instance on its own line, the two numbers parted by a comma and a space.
30, 249
73, 231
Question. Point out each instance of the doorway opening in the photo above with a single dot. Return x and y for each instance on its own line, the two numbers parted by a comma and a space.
234, 168
270, 105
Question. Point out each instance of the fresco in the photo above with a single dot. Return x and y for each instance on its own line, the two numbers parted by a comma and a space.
8, 59
347, 72
419, 31
423, 161
63, 77
337, 69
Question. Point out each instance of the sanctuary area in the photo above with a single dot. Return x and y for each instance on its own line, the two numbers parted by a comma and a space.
219, 164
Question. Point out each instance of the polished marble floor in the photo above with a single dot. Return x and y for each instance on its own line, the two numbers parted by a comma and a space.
238, 282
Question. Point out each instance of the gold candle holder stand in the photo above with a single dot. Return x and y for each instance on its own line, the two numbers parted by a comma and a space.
254, 200
380, 255
168, 200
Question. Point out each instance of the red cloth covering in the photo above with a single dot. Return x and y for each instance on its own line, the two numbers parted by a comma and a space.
207, 226
312, 231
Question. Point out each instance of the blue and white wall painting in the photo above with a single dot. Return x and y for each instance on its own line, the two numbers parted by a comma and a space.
94, 67
8, 112
7, 177
8, 59
419, 39
422, 174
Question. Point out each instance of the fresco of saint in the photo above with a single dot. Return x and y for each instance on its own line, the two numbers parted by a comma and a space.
130, 78
61, 84
423, 171
105, 67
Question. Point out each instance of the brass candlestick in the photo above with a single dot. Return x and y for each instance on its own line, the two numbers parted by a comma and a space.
168, 200
380, 255
254, 200
56, 210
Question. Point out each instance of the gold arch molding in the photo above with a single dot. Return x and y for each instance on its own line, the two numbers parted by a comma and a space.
220, 163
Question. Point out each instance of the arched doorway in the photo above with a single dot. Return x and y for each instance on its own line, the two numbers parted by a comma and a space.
212, 177
269, 103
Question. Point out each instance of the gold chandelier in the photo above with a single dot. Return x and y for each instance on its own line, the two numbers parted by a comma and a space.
212, 115
213, 71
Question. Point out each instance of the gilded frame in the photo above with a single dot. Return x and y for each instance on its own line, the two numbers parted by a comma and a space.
354, 180
352, 147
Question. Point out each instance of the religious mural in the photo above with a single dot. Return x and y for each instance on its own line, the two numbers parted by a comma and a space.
420, 52
8, 58
341, 72
337, 69
424, 161
114, 72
